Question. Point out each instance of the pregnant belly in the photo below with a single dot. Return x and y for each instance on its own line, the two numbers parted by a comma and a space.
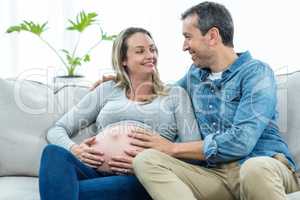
112, 141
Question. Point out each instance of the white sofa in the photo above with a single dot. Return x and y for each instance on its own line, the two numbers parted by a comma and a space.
28, 109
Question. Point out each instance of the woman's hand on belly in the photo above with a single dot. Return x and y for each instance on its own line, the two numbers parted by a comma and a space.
115, 143
87, 154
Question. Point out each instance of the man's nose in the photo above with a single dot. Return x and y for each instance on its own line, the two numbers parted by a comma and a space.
185, 46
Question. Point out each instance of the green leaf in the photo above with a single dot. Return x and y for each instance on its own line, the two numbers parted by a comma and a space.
29, 26
76, 61
83, 21
65, 51
73, 61
87, 58
108, 37
13, 29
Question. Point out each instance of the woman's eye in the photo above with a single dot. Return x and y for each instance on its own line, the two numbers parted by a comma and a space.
140, 51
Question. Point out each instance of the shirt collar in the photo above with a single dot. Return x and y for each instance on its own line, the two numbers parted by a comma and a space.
242, 58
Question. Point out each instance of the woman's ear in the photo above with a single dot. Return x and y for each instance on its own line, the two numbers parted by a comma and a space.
124, 63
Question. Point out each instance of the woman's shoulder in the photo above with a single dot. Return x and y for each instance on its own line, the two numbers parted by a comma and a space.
107, 86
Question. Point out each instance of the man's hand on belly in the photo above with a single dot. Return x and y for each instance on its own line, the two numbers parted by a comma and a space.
145, 139
123, 164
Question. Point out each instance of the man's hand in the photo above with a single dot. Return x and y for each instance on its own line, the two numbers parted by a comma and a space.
87, 154
145, 139
123, 164
104, 79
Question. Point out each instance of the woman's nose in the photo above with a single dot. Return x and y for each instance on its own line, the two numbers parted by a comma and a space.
150, 54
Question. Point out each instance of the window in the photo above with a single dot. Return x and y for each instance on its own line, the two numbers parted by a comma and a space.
267, 28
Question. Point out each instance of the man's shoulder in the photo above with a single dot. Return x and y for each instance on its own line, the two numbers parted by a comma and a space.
256, 63
255, 67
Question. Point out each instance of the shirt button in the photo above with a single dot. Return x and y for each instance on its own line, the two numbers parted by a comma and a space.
214, 123
210, 106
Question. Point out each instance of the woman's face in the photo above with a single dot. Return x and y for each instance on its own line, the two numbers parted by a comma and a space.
141, 56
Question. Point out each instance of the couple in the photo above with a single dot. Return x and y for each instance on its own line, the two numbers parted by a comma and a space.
231, 137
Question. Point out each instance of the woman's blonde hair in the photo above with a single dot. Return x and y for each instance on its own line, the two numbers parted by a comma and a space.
119, 54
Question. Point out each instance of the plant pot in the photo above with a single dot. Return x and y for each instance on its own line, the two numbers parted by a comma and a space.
63, 81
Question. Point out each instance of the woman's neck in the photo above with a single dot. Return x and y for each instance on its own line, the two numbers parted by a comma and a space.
141, 89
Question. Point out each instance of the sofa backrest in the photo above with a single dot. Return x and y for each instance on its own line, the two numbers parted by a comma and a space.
27, 110
289, 111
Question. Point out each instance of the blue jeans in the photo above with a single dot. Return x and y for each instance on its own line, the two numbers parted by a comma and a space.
63, 177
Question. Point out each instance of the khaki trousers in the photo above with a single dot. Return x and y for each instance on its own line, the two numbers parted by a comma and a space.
168, 178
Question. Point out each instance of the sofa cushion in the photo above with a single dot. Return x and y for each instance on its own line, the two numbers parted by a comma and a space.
289, 111
27, 110
16, 188
294, 196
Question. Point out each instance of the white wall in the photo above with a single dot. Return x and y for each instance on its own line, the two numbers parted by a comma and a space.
269, 29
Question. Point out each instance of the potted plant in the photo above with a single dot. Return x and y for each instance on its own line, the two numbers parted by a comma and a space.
68, 58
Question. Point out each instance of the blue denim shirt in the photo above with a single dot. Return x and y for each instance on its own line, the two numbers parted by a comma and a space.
236, 114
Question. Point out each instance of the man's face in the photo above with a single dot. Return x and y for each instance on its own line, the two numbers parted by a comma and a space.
195, 43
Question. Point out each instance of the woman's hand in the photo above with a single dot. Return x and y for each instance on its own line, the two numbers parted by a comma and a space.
85, 153
123, 164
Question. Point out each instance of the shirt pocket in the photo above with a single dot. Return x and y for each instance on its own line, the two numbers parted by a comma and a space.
230, 95
230, 99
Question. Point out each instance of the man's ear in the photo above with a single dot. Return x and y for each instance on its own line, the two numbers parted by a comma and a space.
214, 36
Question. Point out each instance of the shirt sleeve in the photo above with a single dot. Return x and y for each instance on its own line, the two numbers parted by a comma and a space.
80, 116
256, 110
187, 126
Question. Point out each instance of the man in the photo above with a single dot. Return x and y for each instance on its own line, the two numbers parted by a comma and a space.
234, 96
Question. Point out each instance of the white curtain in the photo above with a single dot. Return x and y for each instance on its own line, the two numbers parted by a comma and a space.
269, 29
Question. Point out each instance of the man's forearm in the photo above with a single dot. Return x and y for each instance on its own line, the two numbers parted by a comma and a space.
188, 150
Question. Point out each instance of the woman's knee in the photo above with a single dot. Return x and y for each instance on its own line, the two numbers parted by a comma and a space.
53, 152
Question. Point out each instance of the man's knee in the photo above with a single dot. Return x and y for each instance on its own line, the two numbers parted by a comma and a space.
255, 171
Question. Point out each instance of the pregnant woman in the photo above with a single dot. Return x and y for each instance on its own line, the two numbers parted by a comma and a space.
136, 100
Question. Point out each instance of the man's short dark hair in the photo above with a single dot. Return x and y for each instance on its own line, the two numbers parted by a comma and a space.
211, 14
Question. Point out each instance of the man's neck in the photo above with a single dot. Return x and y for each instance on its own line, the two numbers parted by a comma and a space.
223, 59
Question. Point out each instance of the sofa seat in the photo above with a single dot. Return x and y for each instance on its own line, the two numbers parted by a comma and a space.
22, 188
